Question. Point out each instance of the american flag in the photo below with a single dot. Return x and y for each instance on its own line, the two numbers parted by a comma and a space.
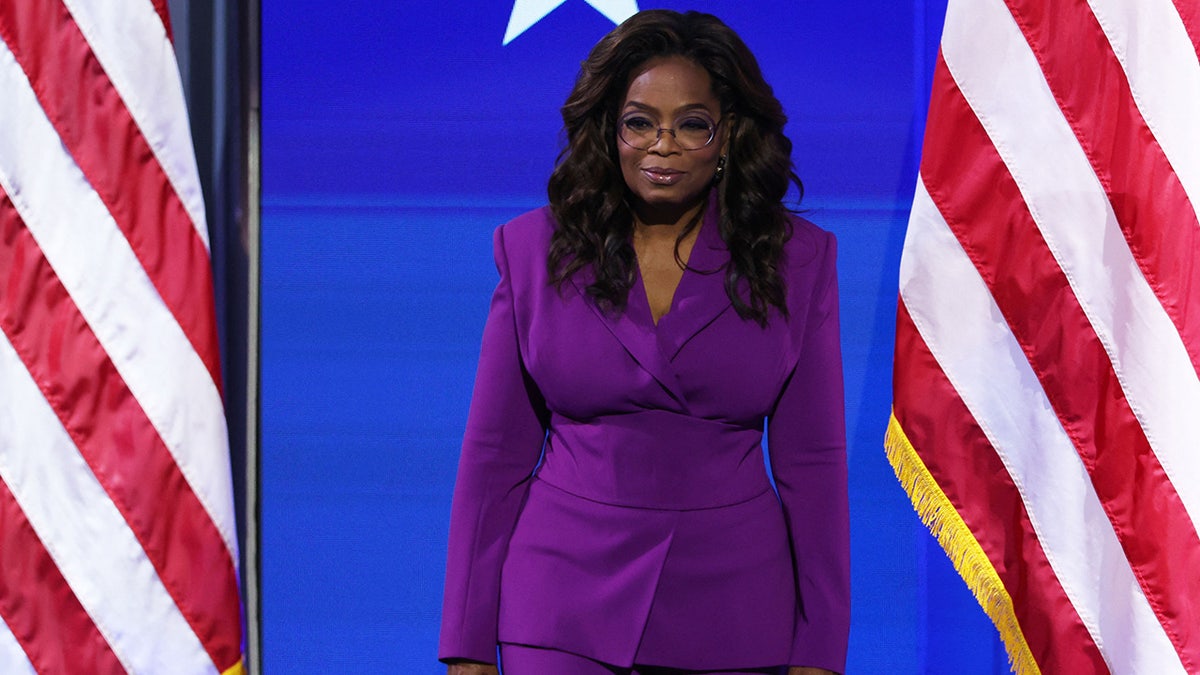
1046, 418
117, 536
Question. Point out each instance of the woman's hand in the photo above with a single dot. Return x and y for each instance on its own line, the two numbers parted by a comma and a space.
468, 668
805, 670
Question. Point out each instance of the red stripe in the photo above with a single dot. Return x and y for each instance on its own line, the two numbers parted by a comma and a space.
1189, 13
40, 608
983, 206
117, 441
98, 130
968, 470
1154, 212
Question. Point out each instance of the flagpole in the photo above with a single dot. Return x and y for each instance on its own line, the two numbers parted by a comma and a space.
250, 21
218, 50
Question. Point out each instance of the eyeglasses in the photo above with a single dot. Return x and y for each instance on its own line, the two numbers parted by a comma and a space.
693, 132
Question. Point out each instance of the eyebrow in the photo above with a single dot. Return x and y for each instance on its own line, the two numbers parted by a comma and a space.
687, 108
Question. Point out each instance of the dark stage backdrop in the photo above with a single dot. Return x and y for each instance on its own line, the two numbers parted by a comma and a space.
396, 136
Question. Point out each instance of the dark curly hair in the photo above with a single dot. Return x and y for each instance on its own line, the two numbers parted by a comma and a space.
587, 192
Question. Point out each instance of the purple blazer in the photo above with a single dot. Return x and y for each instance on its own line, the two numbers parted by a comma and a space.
650, 532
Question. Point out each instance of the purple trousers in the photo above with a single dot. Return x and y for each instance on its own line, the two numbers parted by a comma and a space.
522, 660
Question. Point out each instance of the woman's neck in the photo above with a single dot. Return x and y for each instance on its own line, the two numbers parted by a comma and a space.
667, 222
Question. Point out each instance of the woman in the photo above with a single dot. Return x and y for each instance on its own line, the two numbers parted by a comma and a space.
645, 325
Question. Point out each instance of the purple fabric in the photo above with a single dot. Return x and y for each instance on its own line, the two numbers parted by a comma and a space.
525, 660
650, 533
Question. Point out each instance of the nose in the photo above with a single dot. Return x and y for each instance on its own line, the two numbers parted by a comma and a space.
661, 146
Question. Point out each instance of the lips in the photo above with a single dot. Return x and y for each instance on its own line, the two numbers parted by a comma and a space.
662, 175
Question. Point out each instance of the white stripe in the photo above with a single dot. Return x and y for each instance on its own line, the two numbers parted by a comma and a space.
1154, 49
1001, 80
957, 318
86, 536
13, 660
130, 42
94, 262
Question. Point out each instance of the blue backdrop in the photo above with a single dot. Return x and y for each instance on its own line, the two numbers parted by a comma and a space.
396, 136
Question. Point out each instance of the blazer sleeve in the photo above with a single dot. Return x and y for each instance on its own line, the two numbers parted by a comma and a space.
501, 446
806, 441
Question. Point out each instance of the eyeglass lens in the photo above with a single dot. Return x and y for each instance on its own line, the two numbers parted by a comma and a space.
641, 132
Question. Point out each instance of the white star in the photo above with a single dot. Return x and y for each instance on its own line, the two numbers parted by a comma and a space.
526, 13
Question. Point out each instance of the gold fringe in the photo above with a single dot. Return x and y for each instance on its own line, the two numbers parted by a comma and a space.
238, 668
972, 564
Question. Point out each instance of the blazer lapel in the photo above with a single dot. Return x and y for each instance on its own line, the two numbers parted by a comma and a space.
700, 297
635, 335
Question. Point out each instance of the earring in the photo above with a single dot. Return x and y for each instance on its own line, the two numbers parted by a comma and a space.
720, 169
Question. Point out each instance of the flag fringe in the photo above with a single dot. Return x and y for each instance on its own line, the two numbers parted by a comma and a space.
947, 526
238, 668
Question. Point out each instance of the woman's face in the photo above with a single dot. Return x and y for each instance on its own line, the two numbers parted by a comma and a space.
667, 180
